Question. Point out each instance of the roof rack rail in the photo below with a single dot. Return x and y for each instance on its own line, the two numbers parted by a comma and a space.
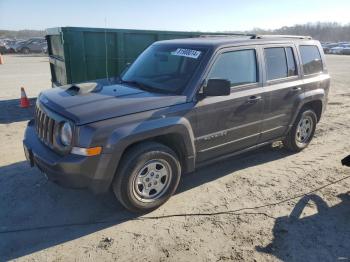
281, 36
228, 35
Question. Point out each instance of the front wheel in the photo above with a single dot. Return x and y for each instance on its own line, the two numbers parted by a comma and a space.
302, 131
148, 176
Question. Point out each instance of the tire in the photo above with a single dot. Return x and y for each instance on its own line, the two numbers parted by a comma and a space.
299, 138
147, 177
25, 50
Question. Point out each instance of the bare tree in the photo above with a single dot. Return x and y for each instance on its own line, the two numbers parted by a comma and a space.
327, 32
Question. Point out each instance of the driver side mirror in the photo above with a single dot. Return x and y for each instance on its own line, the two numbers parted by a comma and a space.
217, 87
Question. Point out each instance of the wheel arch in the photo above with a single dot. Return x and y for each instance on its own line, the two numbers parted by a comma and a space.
174, 141
175, 133
313, 99
316, 106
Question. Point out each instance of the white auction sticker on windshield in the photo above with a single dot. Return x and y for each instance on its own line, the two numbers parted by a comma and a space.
187, 53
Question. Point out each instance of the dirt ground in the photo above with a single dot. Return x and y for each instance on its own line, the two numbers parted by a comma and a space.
30, 71
40, 221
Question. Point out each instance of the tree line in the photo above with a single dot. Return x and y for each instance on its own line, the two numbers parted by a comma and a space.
326, 32
21, 34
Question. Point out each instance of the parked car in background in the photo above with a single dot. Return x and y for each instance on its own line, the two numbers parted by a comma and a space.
343, 43
3, 41
5, 45
338, 50
346, 51
10, 45
33, 45
328, 46
3, 49
13, 47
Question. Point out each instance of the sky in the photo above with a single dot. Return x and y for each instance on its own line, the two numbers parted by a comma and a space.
181, 15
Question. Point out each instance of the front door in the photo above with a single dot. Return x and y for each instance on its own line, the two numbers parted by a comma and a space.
230, 123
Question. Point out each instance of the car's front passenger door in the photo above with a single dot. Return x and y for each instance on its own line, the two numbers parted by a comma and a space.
230, 123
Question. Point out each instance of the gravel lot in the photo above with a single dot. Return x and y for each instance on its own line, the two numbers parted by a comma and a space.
30, 71
40, 221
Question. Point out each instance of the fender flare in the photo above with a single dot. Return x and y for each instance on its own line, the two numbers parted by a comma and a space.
304, 98
123, 137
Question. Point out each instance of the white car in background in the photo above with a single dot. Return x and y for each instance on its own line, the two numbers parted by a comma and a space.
339, 49
346, 51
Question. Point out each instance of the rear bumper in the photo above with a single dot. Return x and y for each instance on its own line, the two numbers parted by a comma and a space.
73, 171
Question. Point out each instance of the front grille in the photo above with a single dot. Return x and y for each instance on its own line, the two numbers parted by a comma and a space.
44, 126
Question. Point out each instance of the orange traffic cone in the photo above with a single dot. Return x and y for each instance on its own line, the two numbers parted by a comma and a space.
1, 59
24, 100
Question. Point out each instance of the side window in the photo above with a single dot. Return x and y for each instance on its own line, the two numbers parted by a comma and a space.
239, 67
292, 69
311, 58
276, 63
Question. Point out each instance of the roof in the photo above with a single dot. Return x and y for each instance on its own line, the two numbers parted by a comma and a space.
219, 41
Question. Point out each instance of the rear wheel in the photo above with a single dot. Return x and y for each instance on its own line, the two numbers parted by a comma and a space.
148, 176
302, 131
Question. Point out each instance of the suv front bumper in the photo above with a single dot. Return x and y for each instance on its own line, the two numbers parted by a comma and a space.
71, 170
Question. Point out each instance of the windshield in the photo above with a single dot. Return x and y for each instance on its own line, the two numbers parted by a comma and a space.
164, 68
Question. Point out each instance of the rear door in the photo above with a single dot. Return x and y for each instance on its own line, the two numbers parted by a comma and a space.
231, 123
282, 85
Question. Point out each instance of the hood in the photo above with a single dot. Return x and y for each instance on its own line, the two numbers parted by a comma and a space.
90, 102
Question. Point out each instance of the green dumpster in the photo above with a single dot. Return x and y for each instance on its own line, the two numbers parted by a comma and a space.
79, 54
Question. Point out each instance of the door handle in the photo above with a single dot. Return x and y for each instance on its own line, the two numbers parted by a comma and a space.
253, 99
296, 89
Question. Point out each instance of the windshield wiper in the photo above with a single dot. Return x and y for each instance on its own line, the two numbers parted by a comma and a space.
139, 84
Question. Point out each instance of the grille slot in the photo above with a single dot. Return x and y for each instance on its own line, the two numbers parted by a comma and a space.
44, 126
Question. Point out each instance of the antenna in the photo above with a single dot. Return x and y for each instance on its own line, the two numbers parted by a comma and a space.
106, 49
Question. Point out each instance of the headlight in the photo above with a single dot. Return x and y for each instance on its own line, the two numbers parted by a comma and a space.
66, 134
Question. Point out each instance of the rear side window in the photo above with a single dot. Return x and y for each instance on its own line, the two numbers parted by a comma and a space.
311, 58
239, 67
276, 63
280, 62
